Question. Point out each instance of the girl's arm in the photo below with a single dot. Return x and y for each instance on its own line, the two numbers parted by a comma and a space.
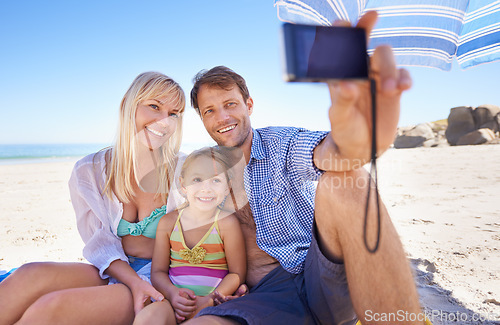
161, 254
182, 300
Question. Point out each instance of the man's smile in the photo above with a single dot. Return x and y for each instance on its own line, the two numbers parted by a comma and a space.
227, 128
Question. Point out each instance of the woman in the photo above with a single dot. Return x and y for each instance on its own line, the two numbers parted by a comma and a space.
118, 195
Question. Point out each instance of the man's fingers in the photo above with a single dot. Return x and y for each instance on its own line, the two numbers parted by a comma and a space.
242, 290
228, 298
343, 95
405, 82
218, 298
341, 23
384, 70
368, 21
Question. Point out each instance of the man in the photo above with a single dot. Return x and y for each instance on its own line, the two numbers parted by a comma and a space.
309, 264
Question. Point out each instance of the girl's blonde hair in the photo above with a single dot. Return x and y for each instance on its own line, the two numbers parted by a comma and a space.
121, 170
226, 157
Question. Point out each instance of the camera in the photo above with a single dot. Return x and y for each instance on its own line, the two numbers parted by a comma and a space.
321, 53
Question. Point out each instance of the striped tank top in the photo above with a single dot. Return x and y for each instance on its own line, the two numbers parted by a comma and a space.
202, 267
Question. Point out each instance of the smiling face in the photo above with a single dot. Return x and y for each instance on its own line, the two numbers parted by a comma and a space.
204, 183
155, 121
226, 116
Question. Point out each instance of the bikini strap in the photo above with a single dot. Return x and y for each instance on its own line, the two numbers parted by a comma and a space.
179, 217
216, 224
217, 214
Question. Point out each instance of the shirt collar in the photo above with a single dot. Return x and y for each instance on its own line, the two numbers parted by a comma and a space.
257, 151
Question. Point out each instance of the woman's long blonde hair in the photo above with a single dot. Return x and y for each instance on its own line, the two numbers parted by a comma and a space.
122, 169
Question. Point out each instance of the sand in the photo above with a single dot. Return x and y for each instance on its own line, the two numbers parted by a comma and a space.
444, 203
37, 221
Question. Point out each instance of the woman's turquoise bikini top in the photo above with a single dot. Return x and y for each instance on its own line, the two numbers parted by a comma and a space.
145, 227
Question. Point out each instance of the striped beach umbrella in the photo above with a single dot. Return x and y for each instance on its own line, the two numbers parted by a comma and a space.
421, 32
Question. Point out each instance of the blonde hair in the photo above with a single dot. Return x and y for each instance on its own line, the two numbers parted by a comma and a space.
121, 171
225, 156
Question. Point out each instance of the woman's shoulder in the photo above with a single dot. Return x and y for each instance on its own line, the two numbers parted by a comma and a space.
92, 166
96, 158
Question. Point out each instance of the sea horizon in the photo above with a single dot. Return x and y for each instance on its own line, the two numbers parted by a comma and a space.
13, 154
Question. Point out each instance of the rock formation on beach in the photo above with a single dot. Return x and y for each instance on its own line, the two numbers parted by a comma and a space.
465, 126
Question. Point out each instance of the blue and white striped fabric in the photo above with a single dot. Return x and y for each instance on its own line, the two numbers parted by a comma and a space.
421, 32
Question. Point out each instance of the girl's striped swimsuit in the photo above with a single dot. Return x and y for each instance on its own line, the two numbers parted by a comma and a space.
202, 267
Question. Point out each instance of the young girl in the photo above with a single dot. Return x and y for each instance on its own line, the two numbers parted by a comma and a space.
199, 248
118, 195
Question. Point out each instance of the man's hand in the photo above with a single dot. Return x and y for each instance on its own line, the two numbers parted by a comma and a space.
203, 302
350, 113
220, 298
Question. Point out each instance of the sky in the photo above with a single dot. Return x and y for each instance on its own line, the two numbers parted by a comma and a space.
65, 65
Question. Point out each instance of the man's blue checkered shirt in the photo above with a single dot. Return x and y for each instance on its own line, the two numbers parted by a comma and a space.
279, 184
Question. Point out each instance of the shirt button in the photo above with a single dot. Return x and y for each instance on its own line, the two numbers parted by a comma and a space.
275, 199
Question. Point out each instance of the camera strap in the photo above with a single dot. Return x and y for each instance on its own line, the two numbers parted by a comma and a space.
373, 172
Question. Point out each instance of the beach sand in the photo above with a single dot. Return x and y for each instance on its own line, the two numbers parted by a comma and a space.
444, 203
37, 221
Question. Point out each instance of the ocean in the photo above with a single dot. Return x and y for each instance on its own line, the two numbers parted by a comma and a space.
35, 153
11, 154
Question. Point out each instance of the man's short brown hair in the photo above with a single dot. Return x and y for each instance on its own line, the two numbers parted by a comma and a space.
221, 77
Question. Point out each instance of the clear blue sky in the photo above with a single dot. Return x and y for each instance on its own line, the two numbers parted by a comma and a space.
65, 65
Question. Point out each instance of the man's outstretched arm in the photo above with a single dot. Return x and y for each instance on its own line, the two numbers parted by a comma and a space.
349, 144
380, 283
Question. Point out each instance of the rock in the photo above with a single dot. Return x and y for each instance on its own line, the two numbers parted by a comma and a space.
486, 114
404, 141
494, 141
436, 143
492, 125
476, 137
438, 126
429, 143
492, 301
414, 137
460, 122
